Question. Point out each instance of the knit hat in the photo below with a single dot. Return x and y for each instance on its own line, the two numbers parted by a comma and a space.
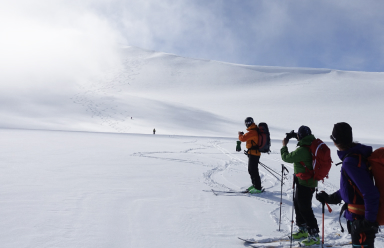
304, 131
342, 133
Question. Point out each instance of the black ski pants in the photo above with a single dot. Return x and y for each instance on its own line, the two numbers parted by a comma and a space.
303, 208
253, 170
365, 240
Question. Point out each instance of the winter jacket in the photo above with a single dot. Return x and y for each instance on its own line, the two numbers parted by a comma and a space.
362, 179
301, 154
251, 138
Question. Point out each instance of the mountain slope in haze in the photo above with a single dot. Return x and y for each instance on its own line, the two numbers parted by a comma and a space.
186, 96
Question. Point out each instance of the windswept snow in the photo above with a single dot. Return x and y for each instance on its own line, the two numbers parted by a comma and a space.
106, 181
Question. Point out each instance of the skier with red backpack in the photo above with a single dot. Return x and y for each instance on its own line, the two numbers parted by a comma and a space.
305, 185
357, 188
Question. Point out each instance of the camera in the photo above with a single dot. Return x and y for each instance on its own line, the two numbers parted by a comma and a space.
290, 135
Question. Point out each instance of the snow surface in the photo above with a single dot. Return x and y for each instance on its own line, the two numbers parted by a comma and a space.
114, 184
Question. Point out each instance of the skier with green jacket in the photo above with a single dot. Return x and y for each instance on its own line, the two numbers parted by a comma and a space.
305, 219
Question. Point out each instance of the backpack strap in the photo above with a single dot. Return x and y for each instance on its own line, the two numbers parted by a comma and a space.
355, 189
259, 136
254, 146
343, 208
302, 162
308, 172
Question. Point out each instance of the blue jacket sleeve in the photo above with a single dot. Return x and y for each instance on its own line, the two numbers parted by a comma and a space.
335, 198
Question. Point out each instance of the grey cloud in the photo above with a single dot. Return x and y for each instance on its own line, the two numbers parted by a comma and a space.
278, 33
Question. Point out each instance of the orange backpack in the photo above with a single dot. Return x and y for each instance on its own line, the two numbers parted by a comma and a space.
376, 165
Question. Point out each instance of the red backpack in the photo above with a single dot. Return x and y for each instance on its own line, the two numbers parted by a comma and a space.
264, 143
376, 165
321, 162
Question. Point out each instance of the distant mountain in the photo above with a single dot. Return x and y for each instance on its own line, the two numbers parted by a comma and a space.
185, 96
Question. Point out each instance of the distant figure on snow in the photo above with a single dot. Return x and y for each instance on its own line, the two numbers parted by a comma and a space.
154, 131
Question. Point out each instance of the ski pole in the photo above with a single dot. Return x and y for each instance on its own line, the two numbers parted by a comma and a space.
281, 191
270, 170
293, 208
322, 238
330, 210
271, 173
322, 228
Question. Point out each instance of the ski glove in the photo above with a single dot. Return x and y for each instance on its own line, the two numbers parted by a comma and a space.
323, 197
363, 225
238, 147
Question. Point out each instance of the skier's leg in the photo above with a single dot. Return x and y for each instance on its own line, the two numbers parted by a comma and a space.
365, 240
300, 221
305, 208
253, 170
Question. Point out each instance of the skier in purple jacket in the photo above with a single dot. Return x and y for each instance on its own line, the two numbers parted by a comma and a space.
357, 189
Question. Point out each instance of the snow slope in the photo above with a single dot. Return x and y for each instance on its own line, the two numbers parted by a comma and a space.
213, 98
186, 96
111, 183
78, 189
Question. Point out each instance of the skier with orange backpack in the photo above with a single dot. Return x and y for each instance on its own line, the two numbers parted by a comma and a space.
357, 188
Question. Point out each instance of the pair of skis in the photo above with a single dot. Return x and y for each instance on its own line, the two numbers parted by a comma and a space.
265, 243
219, 192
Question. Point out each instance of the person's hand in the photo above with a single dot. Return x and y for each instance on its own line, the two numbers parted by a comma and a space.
285, 142
322, 197
240, 133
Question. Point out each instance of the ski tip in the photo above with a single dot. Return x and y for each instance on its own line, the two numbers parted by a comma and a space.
247, 240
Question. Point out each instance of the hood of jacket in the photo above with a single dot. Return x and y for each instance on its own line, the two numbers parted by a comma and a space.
364, 150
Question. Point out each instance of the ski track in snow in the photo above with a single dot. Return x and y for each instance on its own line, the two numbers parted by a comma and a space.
234, 165
266, 179
100, 103
215, 178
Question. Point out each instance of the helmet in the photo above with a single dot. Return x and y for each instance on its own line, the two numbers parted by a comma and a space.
248, 121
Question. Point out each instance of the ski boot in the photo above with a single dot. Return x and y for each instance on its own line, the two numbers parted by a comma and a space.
312, 239
255, 191
301, 233
249, 189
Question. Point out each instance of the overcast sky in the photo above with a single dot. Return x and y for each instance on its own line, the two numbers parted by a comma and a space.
78, 35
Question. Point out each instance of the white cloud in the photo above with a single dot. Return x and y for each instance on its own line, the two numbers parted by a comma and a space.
52, 42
